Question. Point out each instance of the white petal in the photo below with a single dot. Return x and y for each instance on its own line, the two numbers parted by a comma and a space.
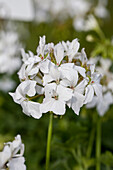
81, 86
64, 93
93, 103
5, 156
59, 52
17, 164
89, 94
31, 109
98, 89
77, 102
30, 88
49, 88
81, 70
47, 78
25, 108
47, 105
58, 107
44, 66
34, 109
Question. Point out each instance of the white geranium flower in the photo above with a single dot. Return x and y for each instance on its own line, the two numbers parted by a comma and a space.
102, 104
41, 47
27, 88
12, 155
53, 75
32, 65
94, 86
9, 49
55, 100
6, 84
82, 57
91, 23
71, 48
77, 100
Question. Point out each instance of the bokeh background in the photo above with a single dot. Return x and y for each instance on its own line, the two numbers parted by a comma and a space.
70, 131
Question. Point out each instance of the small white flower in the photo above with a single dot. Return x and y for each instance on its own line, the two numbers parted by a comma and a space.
71, 48
41, 47
55, 99
102, 104
27, 88
94, 86
12, 155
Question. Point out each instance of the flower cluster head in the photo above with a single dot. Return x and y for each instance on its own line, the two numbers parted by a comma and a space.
103, 104
58, 75
12, 155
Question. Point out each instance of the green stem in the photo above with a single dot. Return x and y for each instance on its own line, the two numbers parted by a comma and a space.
90, 144
100, 33
98, 144
49, 141
77, 158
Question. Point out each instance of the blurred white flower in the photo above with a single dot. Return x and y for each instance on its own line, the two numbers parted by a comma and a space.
6, 84
12, 155
94, 85
49, 10
102, 104
91, 23
9, 50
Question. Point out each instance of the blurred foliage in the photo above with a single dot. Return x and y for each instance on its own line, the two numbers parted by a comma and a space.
72, 134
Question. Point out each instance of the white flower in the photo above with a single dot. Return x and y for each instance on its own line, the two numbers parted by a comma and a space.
9, 49
53, 75
102, 104
94, 86
71, 48
55, 99
77, 100
91, 23
6, 84
41, 47
27, 88
12, 155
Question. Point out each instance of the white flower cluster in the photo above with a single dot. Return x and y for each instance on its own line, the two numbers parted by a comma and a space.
57, 76
104, 103
9, 60
47, 10
12, 155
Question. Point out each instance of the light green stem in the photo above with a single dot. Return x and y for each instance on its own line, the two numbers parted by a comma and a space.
98, 144
49, 141
90, 144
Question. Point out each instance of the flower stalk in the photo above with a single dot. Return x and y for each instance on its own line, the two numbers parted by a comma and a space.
98, 144
49, 141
